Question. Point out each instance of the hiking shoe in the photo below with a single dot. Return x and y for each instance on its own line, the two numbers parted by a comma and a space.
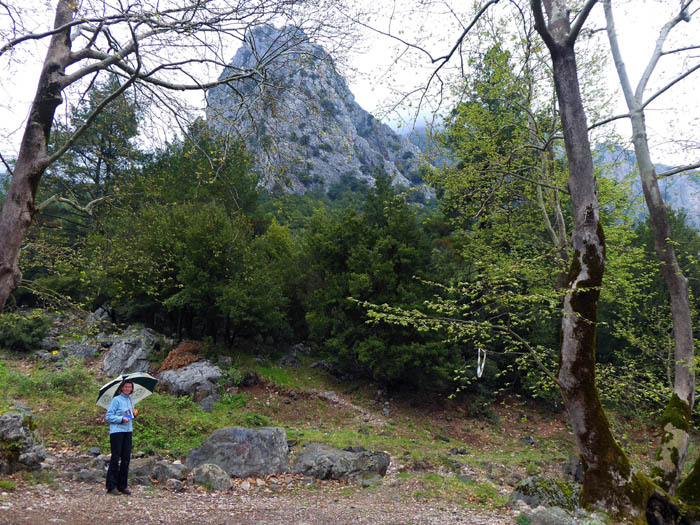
114, 492
126, 492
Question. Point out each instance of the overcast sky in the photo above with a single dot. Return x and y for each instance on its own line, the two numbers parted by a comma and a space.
672, 119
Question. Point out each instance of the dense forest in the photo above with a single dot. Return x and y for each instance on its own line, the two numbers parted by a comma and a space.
183, 239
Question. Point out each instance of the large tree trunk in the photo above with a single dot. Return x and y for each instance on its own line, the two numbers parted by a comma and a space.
609, 481
18, 210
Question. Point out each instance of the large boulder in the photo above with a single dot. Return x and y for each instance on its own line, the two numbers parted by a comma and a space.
244, 452
197, 379
547, 492
21, 447
325, 462
130, 351
212, 477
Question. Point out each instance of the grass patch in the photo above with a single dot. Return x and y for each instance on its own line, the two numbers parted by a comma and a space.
7, 485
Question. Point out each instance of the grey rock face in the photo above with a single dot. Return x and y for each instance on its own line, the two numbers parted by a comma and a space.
325, 462
198, 379
130, 351
244, 452
547, 492
21, 447
212, 476
306, 127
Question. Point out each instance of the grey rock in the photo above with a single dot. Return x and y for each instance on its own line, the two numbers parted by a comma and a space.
290, 360
308, 125
91, 476
49, 343
207, 403
325, 462
94, 451
104, 315
130, 351
81, 350
144, 481
225, 360
21, 447
573, 468
244, 452
212, 476
175, 485
197, 379
547, 492
142, 467
164, 470
301, 348
529, 440
48, 357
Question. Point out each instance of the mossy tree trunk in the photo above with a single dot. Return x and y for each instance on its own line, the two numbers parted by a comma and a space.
609, 481
675, 422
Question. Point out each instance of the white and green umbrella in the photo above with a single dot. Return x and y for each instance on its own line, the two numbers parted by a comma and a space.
144, 384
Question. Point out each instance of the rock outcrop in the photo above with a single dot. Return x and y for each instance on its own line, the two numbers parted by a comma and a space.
325, 462
21, 447
130, 351
303, 124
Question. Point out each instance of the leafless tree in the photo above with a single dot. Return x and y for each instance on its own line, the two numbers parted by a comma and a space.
676, 422
161, 48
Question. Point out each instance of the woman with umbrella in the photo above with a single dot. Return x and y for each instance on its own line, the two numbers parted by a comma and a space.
121, 395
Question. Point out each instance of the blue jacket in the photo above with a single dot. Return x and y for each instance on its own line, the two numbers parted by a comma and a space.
120, 406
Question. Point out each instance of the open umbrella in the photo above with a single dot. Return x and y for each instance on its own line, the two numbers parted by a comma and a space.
144, 385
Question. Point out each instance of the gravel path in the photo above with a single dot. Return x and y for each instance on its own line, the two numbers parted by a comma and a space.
87, 504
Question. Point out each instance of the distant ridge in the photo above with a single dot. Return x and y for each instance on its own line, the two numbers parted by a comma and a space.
680, 192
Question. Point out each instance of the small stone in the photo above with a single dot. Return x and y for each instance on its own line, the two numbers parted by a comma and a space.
174, 484
245, 486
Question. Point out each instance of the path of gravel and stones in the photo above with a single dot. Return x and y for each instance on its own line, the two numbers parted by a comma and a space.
330, 503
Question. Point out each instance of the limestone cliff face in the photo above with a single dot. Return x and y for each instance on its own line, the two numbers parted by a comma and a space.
301, 119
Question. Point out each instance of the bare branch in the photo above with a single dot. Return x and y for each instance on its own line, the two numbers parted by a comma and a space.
7, 166
87, 209
579, 21
670, 85
679, 169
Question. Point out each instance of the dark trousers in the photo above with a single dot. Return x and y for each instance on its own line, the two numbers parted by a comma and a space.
118, 473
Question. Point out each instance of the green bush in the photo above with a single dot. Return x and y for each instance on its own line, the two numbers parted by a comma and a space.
22, 333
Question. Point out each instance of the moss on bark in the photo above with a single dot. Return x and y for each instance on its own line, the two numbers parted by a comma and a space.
670, 455
689, 489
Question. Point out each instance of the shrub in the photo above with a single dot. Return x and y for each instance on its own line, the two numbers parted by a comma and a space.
22, 333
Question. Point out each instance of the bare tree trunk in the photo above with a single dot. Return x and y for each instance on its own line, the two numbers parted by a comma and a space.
19, 209
609, 481
675, 422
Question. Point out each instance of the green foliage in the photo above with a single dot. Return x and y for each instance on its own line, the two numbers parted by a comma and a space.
253, 419
371, 254
22, 333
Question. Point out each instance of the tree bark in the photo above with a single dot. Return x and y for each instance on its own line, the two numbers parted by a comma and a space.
19, 208
609, 481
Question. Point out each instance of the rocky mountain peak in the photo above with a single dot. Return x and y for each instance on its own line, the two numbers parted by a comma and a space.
301, 119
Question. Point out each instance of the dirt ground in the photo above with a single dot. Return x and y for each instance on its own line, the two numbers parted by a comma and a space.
334, 504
